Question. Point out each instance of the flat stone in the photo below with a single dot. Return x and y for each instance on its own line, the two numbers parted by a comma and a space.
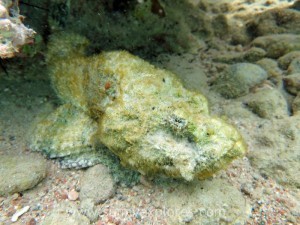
292, 83
237, 79
285, 60
294, 66
267, 103
66, 213
89, 209
97, 184
251, 55
277, 45
271, 66
206, 202
275, 21
254, 54
20, 172
277, 153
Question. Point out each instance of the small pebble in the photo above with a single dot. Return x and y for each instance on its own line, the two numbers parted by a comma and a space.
187, 217
73, 195
260, 202
37, 207
247, 189
15, 196
137, 216
100, 222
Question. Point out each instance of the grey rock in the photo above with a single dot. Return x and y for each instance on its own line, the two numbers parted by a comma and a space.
277, 154
284, 61
237, 79
247, 188
206, 202
20, 172
296, 5
97, 184
271, 66
277, 45
254, 54
230, 57
294, 67
88, 208
267, 103
292, 83
275, 21
251, 55
187, 217
66, 213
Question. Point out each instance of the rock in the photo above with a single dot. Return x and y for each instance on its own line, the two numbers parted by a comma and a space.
230, 57
247, 188
276, 21
144, 30
144, 114
296, 105
237, 79
251, 55
237, 110
14, 34
20, 172
276, 154
73, 195
65, 213
88, 208
219, 201
284, 61
292, 83
32, 221
271, 66
294, 67
254, 54
97, 184
277, 45
267, 103
296, 5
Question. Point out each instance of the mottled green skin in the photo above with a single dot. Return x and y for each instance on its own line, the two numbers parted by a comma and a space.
66, 134
143, 114
156, 126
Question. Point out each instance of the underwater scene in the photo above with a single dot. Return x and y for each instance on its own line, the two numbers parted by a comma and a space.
150, 112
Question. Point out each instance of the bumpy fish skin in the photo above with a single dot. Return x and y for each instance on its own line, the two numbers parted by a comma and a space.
142, 114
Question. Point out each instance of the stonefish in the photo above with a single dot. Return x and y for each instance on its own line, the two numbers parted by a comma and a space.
141, 113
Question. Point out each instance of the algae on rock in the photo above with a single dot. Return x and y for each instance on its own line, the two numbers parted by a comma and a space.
143, 114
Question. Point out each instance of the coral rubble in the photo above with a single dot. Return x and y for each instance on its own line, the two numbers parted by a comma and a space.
13, 33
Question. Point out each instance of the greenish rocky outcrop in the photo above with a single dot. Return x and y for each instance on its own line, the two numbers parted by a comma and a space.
277, 45
238, 79
20, 172
141, 113
267, 103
